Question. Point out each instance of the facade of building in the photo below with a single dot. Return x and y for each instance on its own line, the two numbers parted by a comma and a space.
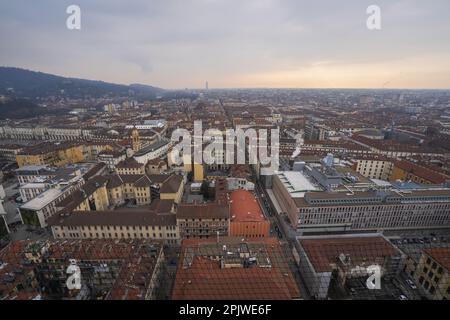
111, 158
110, 269
324, 259
203, 221
432, 273
407, 171
158, 222
375, 168
155, 150
143, 189
60, 154
38, 210
363, 211
130, 166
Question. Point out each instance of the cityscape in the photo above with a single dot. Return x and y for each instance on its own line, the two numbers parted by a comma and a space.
113, 191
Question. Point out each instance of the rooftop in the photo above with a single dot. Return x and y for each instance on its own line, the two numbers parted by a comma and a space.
130, 265
233, 269
245, 207
324, 251
297, 183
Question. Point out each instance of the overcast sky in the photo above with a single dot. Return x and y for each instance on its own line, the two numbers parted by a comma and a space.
233, 43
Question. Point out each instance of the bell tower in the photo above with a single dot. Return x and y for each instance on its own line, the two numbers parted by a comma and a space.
136, 139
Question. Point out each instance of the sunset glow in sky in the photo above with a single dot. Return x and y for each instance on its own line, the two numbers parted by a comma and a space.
233, 43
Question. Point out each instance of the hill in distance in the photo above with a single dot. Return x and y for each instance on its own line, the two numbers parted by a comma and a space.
23, 83
19, 109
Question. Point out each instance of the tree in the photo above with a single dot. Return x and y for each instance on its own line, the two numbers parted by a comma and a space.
204, 189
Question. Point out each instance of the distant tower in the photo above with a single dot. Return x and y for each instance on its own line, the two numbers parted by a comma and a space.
206, 85
136, 139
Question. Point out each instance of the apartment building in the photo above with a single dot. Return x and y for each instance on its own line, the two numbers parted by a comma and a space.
92, 196
313, 211
432, 273
327, 260
408, 171
157, 222
45, 133
112, 158
9, 151
374, 167
118, 265
60, 154
203, 221
230, 269
38, 210
143, 189
130, 166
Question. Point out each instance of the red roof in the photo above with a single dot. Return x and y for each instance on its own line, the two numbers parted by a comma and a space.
245, 207
422, 172
440, 255
204, 279
323, 253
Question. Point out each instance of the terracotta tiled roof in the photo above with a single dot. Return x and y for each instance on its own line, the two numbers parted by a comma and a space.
440, 255
244, 207
323, 253
129, 163
132, 257
205, 279
172, 184
203, 211
422, 172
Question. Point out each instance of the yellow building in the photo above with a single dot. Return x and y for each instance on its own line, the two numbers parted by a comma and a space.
92, 196
198, 172
172, 189
157, 222
130, 166
136, 140
143, 189
433, 273
30, 159
70, 154
408, 171
59, 154
374, 168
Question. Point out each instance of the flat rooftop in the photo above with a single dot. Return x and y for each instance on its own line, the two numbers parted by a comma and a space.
297, 183
43, 199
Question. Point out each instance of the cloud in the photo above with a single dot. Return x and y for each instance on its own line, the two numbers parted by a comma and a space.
230, 43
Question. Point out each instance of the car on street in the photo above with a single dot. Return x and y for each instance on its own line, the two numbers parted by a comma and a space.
411, 284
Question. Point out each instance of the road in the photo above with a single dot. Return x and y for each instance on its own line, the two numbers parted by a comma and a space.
281, 229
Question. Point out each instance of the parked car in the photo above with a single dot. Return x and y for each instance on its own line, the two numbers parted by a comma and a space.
411, 284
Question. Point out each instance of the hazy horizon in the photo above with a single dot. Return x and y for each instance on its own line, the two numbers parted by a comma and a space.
252, 44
